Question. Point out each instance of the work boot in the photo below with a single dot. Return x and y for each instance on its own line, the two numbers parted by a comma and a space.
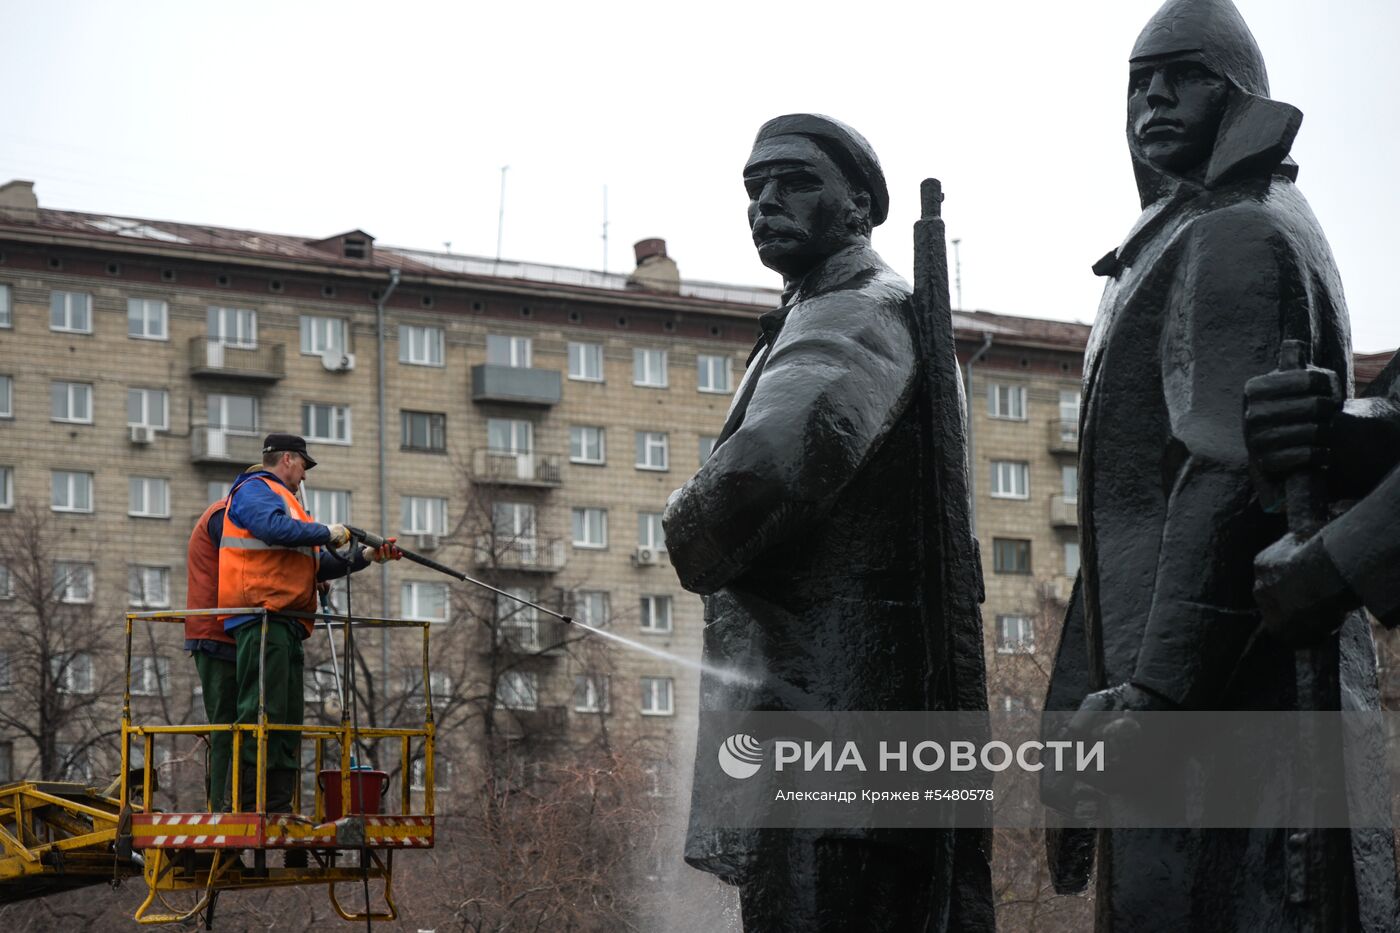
281, 788
247, 789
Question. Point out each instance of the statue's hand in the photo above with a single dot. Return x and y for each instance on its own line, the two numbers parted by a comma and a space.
1108, 716
1301, 594
1287, 414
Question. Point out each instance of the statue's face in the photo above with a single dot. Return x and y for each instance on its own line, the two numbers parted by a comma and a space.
1175, 105
801, 208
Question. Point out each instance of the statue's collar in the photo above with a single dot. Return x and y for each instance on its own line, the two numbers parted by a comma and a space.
834, 271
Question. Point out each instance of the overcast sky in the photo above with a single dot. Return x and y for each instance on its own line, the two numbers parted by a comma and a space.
312, 118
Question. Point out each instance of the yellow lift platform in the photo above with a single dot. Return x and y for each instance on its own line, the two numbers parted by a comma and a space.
60, 836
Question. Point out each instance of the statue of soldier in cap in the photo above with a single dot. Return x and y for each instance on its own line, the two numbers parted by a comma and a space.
1226, 263
800, 533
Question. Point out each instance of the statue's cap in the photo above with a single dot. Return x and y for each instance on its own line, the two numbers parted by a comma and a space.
847, 148
1214, 29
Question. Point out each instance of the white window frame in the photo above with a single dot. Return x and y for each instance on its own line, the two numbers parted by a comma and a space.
584, 607
162, 399
7, 591
421, 345
140, 490
707, 447
585, 361
148, 586
1004, 479
322, 334
658, 696
650, 534
73, 672
510, 436
233, 327
579, 438
439, 683
222, 400
714, 374
412, 601
74, 581
150, 676
337, 420
7, 486
1006, 401
64, 306
1069, 407
514, 351
328, 506
653, 451
656, 614
418, 774
153, 314
515, 522
1069, 553
7, 319
592, 693
72, 392
515, 619
522, 694
1069, 481
649, 368
423, 515
74, 481
1024, 640
590, 527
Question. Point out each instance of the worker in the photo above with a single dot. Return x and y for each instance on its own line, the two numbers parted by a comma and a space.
211, 647
272, 554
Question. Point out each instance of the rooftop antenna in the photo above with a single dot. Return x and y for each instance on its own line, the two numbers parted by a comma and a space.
447, 246
957, 270
605, 229
501, 218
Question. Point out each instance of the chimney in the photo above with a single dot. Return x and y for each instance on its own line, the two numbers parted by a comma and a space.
655, 272
18, 202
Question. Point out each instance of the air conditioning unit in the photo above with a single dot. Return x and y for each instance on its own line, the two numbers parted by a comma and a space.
142, 434
646, 557
337, 361
425, 543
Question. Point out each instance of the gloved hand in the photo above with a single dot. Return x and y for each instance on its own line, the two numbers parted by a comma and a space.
386, 551
340, 535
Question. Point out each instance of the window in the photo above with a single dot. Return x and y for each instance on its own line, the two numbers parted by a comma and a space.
72, 672
508, 351
1015, 635
1005, 401
424, 515
149, 587
1069, 482
586, 445
6, 317
72, 491
439, 685
72, 580
7, 487
713, 373
234, 413
1071, 552
420, 346
7, 591
656, 614
328, 506
517, 623
586, 362
215, 491
146, 319
149, 407
649, 368
707, 448
148, 497
1010, 555
418, 774
75, 764
651, 450
590, 527
1069, 406
234, 327
591, 693
70, 401
591, 607
509, 436
1011, 704
318, 686
518, 690
71, 312
658, 775
424, 602
423, 430
7, 393
1010, 480
513, 519
649, 532
150, 676
323, 335
326, 424
657, 699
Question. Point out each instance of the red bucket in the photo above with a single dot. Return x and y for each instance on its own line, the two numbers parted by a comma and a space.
367, 788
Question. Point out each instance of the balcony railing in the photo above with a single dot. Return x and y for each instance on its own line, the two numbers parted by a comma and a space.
492, 383
265, 362
544, 637
1064, 436
526, 554
540, 722
214, 444
507, 468
1064, 512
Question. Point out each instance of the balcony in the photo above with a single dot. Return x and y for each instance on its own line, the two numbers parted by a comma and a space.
1064, 512
538, 723
263, 363
505, 468
542, 637
213, 444
1064, 436
524, 554
492, 383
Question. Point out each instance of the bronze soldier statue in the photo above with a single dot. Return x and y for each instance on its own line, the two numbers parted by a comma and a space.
1226, 263
801, 532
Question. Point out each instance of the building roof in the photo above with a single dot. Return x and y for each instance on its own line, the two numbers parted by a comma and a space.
977, 325
1369, 365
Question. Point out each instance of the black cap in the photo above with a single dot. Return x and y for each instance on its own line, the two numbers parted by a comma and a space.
290, 442
847, 148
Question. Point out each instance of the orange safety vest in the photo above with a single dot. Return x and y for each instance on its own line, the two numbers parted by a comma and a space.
255, 573
202, 580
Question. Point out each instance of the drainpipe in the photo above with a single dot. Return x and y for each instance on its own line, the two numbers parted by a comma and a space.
383, 478
971, 459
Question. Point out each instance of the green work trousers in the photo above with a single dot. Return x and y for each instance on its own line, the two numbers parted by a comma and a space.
219, 682
282, 691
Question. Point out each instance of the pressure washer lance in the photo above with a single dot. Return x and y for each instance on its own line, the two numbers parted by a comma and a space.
374, 541
335, 665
